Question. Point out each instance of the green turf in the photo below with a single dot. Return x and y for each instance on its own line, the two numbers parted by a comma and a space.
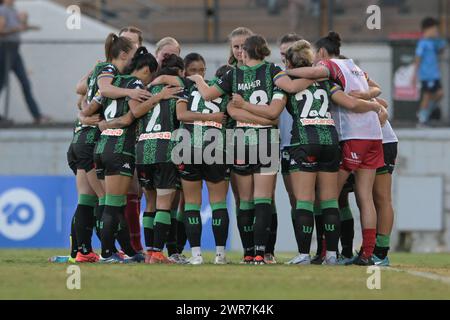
26, 274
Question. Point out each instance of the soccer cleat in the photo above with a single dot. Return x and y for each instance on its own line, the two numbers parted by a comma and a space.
60, 259
178, 258
363, 261
270, 258
330, 261
114, 258
302, 259
292, 260
138, 258
317, 259
197, 260
381, 262
159, 258
259, 260
148, 256
247, 260
91, 257
344, 261
220, 259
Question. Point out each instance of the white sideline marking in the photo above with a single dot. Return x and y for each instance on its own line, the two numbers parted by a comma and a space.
427, 275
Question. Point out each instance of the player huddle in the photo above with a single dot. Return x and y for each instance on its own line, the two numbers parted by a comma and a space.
152, 125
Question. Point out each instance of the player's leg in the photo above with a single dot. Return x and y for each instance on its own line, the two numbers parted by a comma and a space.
263, 186
181, 230
382, 194
171, 245
364, 180
84, 216
220, 219
113, 220
269, 256
328, 194
132, 213
149, 217
303, 184
347, 226
192, 218
245, 214
288, 186
165, 179
385, 215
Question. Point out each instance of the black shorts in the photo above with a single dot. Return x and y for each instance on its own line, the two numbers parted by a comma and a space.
82, 156
390, 157
113, 164
158, 175
431, 86
211, 173
71, 160
315, 157
286, 161
253, 162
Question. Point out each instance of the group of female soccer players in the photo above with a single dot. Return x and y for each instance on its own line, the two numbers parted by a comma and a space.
138, 110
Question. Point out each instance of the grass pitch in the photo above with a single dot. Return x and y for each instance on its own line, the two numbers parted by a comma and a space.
26, 274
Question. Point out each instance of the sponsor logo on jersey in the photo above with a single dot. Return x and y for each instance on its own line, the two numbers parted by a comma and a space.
157, 135
112, 132
208, 124
240, 124
317, 122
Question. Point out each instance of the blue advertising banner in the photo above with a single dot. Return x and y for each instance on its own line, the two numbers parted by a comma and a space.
36, 211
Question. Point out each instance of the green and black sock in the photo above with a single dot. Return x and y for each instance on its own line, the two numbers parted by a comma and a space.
331, 223
270, 248
161, 229
181, 232
382, 246
193, 224
318, 219
73, 239
347, 231
172, 238
109, 225
148, 220
220, 223
304, 225
84, 222
98, 216
245, 220
263, 219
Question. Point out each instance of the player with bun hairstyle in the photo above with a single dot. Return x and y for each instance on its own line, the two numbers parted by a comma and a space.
257, 82
153, 154
360, 134
114, 155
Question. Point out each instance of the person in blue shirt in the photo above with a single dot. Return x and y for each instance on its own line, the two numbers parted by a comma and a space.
429, 47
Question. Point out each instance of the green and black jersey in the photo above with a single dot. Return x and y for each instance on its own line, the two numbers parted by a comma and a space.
155, 142
198, 129
120, 140
256, 85
310, 110
90, 134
